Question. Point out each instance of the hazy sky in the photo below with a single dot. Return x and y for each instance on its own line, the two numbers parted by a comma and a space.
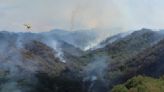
45, 15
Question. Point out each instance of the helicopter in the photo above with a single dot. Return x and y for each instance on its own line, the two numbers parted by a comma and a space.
27, 26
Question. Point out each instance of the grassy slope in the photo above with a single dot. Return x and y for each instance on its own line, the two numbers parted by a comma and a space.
141, 84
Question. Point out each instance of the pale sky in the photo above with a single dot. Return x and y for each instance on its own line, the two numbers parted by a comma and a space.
45, 15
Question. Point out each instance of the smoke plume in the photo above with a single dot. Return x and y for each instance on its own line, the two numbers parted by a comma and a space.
94, 74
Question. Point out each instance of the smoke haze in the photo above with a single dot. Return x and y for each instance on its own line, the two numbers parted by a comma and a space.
81, 14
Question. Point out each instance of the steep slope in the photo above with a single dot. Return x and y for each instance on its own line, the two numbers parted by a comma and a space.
29, 61
130, 45
125, 48
44, 57
149, 62
122, 51
19, 66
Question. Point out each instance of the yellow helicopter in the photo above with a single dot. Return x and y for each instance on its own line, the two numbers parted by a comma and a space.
28, 26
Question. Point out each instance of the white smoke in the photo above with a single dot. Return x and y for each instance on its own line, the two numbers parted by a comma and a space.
14, 69
19, 41
54, 44
110, 40
95, 72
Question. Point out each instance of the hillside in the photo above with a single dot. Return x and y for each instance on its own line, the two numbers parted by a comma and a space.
128, 46
56, 65
148, 62
122, 49
141, 84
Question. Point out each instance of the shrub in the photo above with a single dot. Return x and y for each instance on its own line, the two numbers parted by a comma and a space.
119, 88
